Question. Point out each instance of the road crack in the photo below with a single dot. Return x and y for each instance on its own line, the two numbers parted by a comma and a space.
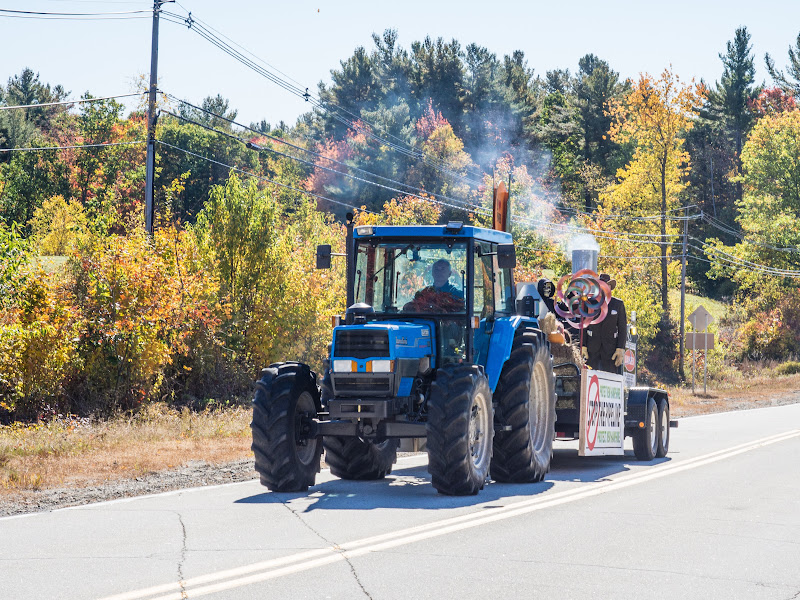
333, 545
181, 580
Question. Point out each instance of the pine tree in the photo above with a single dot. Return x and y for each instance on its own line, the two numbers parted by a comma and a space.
790, 83
729, 102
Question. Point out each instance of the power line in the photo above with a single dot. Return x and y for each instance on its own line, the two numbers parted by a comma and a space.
429, 195
723, 256
357, 125
324, 168
138, 2
549, 251
632, 217
119, 16
101, 145
68, 14
725, 229
593, 230
732, 265
260, 177
254, 56
82, 100
461, 204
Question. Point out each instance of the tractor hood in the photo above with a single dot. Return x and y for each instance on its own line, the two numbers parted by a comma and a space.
390, 340
380, 359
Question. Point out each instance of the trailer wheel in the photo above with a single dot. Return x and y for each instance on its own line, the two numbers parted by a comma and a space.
286, 398
645, 441
663, 427
460, 430
525, 399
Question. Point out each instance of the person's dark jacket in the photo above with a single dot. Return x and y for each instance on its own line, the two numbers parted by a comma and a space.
602, 339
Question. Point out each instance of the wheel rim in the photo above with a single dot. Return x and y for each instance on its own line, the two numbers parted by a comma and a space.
665, 429
654, 430
538, 406
306, 449
479, 439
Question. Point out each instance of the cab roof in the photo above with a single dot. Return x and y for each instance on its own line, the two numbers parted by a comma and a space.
451, 230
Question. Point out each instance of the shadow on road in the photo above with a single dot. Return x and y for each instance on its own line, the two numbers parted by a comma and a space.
406, 487
568, 466
410, 487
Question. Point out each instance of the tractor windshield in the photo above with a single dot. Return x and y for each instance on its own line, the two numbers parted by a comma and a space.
417, 277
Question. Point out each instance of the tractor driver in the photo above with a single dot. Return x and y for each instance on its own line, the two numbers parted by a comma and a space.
442, 296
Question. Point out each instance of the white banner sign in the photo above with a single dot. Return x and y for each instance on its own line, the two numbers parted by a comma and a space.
602, 418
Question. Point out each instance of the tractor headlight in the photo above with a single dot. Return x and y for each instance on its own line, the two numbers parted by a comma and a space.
382, 366
344, 366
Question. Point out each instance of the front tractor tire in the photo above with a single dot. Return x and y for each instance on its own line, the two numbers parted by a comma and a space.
354, 458
525, 400
286, 398
460, 430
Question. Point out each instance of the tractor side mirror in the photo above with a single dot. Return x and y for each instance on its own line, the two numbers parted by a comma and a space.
324, 256
506, 256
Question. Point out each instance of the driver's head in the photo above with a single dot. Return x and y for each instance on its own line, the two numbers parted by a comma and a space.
441, 272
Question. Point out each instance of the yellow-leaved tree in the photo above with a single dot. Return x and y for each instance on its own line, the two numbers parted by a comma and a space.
57, 226
654, 117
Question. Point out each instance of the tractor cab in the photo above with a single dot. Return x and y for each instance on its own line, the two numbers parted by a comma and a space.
453, 280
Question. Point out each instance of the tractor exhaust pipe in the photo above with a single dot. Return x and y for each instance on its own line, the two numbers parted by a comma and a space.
501, 206
351, 263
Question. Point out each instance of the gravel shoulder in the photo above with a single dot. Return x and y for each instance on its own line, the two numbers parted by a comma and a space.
197, 473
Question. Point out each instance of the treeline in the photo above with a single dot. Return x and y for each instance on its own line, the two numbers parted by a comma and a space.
399, 135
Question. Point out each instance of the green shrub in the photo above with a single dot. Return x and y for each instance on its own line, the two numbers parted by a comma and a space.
788, 368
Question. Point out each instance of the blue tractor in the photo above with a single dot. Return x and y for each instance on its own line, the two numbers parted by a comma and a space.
437, 343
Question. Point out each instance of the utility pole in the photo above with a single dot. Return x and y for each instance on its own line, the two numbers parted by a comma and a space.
151, 124
713, 202
683, 290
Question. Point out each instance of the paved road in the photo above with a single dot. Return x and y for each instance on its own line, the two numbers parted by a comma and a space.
719, 518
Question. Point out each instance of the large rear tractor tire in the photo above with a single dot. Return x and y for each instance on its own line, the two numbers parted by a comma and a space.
645, 441
286, 398
525, 400
460, 430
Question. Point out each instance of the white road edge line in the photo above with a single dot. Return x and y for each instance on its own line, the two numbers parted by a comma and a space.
303, 561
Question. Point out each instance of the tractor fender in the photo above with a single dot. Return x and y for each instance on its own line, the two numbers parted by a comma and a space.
500, 345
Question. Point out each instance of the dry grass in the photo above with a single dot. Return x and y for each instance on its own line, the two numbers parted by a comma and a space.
752, 391
68, 452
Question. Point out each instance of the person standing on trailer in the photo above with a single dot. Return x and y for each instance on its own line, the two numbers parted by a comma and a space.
604, 343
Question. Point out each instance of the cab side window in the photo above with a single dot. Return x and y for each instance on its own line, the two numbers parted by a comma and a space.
504, 291
484, 303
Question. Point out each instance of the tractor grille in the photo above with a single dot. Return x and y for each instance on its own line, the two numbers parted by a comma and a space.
361, 343
362, 386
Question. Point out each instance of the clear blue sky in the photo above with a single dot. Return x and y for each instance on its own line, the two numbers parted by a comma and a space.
306, 40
